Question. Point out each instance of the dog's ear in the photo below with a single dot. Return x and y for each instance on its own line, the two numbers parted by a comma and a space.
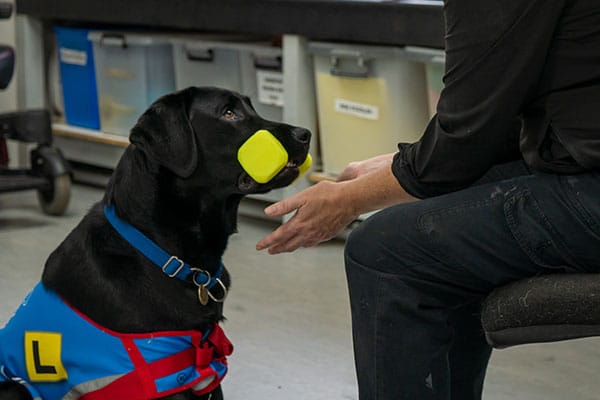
165, 134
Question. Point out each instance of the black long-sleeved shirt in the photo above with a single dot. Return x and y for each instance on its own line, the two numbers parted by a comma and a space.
522, 80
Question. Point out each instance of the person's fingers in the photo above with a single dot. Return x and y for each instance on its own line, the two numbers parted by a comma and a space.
283, 248
279, 235
307, 224
307, 237
284, 206
293, 243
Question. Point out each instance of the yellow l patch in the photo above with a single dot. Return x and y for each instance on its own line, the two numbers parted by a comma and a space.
43, 357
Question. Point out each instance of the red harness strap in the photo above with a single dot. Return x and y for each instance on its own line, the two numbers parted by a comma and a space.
140, 383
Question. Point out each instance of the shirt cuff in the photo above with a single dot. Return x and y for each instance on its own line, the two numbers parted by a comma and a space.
404, 171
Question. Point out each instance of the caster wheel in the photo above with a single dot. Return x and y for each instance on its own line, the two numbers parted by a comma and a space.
54, 201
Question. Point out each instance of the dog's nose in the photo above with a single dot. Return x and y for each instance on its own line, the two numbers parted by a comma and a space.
302, 135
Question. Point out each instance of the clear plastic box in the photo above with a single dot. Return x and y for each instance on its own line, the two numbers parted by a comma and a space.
132, 71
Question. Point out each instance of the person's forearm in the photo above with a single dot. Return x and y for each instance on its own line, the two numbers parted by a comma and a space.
375, 190
359, 168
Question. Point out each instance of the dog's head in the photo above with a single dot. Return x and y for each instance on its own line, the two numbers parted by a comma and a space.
196, 134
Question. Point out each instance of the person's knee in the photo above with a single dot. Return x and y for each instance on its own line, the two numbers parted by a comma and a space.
368, 247
358, 244
387, 242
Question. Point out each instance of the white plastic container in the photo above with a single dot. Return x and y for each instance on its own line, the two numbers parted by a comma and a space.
249, 67
369, 99
435, 84
262, 77
132, 71
434, 61
206, 63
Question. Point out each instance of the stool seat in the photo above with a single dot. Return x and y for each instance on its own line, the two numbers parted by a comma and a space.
546, 308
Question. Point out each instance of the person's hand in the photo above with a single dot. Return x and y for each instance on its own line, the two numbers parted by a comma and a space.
356, 169
322, 211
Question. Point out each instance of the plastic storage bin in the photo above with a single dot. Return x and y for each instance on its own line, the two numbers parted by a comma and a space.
132, 71
434, 61
262, 77
204, 63
369, 98
434, 68
251, 68
78, 77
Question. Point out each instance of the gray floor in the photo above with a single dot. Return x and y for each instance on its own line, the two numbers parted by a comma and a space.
288, 316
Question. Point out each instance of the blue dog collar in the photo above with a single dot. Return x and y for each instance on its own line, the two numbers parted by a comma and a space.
171, 265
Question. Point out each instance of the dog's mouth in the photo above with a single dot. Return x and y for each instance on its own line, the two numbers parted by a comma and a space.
285, 177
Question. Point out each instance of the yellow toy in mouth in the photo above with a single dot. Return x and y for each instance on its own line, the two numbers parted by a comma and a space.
302, 168
263, 156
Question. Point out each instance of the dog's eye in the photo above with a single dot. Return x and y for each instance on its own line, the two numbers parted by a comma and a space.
229, 115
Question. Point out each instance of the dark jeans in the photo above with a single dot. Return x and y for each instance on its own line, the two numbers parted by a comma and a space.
417, 274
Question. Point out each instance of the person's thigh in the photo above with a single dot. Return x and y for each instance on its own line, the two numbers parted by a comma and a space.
462, 245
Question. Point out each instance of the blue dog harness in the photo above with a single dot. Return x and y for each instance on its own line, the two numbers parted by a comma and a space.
58, 353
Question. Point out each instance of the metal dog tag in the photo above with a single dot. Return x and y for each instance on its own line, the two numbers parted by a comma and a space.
203, 295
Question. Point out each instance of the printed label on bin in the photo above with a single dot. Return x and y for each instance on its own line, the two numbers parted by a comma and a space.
270, 87
360, 110
75, 57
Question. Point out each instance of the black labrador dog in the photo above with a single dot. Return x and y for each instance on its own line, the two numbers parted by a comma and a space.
178, 187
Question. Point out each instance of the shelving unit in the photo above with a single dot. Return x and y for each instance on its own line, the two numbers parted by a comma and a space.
104, 150
406, 24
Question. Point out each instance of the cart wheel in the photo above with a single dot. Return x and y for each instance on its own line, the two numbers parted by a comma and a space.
54, 201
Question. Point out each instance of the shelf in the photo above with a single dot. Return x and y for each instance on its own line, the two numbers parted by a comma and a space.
89, 146
74, 132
